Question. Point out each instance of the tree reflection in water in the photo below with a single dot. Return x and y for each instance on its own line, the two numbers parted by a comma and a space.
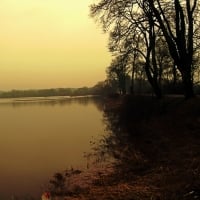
131, 139
119, 147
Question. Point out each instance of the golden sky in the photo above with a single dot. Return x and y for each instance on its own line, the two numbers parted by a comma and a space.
50, 44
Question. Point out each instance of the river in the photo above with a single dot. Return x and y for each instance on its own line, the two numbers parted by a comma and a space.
41, 136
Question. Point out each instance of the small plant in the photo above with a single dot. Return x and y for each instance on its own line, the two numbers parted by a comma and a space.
58, 184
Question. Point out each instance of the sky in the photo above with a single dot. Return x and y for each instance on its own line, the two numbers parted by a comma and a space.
50, 44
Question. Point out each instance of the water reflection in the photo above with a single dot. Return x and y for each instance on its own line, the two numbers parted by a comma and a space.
39, 138
133, 138
51, 101
121, 145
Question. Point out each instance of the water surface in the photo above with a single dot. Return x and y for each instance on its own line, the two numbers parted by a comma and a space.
42, 136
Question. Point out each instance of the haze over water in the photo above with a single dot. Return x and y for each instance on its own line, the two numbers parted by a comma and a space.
39, 138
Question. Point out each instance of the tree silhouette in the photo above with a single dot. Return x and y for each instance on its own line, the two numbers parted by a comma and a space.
172, 22
179, 35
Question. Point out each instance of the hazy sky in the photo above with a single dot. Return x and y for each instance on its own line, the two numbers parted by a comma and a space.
50, 44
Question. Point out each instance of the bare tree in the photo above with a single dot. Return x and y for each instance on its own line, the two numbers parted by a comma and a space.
179, 35
130, 23
118, 71
176, 21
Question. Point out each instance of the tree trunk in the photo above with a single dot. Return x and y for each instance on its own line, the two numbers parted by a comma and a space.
187, 84
153, 82
132, 79
174, 75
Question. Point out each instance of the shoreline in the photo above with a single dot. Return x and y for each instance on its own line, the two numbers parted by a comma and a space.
163, 157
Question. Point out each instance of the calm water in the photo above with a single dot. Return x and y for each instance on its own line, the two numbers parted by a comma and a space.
41, 137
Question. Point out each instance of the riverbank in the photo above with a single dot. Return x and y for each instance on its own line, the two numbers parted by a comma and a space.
155, 145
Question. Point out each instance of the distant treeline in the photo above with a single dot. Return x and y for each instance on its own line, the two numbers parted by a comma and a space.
50, 92
103, 88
